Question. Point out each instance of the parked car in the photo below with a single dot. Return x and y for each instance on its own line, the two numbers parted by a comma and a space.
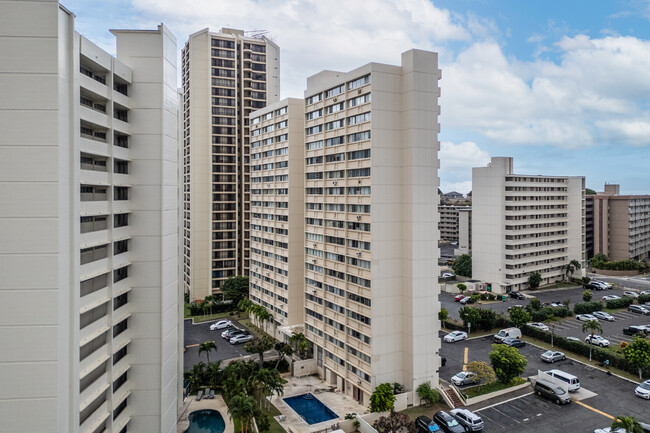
241, 338
516, 306
448, 275
514, 342
507, 333
517, 295
221, 324
424, 424
609, 298
464, 378
229, 333
603, 284
631, 294
633, 330
538, 325
609, 430
603, 316
447, 422
645, 292
544, 388
639, 309
596, 286
457, 298
552, 356
454, 336
643, 390
585, 317
466, 300
597, 340
573, 339
468, 419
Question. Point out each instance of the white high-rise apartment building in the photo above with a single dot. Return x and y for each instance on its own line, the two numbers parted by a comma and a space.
277, 211
371, 229
524, 223
226, 76
89, 299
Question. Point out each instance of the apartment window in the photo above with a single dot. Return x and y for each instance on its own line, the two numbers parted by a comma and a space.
359, 208
359, 82
92, 285
359, 136
336, 157
359, 317
314, 129
359, 299
359, 244
335, 141
93, 254
121, 114
318, 144
118, 410
281, 111
93, 193
359, 262
313, 298
359, 373
314, 175
120, 300
120, 166
117, 356
93, 224
314, 114
313, 314
335, 91
335, 341
334, 224
359, 172
335, 240
359, 190
91, 316
92, 407
120, 327
364, 227
334, 324
120, 247
120, 381
121, 193
120, 274
334, 124
335, 207
359, 154
223, 44
335, 190
121, 141
315, 98
335, 108
359, 100
362, 356
359, 118
120, 220
314, 160
336, 174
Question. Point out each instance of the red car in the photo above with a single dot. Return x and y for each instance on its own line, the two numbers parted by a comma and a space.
457, 298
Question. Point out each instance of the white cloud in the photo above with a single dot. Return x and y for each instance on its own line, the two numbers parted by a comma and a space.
456, 163
600, 89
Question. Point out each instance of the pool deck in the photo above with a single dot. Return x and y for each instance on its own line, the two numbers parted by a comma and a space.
191, 405
339, 403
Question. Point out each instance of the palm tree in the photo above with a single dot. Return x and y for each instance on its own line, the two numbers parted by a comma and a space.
207, 347
195, 376
213, 374
628, 423
242, 407
245, 305
575, 265
275, 383
591, 326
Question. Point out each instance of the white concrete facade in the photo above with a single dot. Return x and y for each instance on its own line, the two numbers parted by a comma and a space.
226, 76
88, 258
371, 224
277, 212
524, 223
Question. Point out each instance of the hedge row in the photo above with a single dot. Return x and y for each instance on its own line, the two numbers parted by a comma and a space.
579, 348
545, 313
217, 307
587, 307
619, 303
643, 299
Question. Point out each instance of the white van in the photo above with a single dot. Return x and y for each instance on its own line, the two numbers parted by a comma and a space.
507, 333
571, 380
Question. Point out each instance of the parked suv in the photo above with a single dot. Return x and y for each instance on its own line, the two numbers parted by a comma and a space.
638, 309
549, 390
447, 422
468, 419
424, 424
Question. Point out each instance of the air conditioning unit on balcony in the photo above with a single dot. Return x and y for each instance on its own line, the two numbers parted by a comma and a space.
358, 217
358, 253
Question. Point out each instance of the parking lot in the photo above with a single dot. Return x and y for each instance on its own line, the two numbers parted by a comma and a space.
601, 395
200, 333
612, 331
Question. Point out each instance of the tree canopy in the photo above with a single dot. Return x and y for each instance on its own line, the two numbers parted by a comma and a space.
519, 316
534, 280
235, 288
637, 353
382, 399
507, 362
463, 266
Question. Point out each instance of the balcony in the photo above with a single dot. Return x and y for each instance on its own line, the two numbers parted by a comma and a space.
93, 300
93, 331
87, 144
87, 208
93, 391
93, 85
93, 238
93, 421
121, 340
121, 286
89, 177
122, 420
92, 361
93, 115
121, 260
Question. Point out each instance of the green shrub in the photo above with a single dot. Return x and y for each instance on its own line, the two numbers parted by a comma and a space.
547, 312
491, 297
619, 303
587, 307
428, 394
643, 299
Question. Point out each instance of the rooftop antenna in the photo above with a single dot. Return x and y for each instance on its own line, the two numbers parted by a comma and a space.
256, 33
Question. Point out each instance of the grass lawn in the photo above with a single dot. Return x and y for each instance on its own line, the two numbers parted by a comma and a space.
475, 391
208, 317
583, 359
415, 411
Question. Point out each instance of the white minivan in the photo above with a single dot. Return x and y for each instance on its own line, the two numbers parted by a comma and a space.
571, 380
507, 333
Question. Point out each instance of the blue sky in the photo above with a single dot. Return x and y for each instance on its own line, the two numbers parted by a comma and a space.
561, 86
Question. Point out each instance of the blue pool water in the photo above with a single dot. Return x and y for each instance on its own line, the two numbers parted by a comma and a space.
206, 421
310, 408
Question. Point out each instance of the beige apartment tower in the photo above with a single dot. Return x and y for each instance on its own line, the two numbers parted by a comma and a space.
370, 208
620, 224
449, 224
226, 76
524, 223
89, 296
277, 212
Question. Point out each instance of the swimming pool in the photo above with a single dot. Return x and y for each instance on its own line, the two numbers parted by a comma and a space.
310, 408
206, 421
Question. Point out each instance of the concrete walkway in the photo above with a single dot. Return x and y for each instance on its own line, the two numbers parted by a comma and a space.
191, 405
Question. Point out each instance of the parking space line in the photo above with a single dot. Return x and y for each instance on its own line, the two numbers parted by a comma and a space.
491, 420
465, 358
191, 345
503, 402
508, 416
593, 409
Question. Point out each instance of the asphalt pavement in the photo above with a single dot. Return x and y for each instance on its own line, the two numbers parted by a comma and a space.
199, 333
601, 396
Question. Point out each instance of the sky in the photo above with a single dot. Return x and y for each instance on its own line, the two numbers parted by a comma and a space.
561, 86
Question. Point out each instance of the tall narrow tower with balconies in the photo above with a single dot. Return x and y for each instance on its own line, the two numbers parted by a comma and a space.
226, 76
